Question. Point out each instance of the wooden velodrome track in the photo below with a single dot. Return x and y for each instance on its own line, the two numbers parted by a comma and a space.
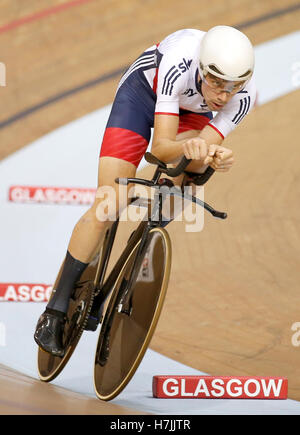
234, 289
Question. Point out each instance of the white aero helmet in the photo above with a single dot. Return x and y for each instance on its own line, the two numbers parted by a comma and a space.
227, 53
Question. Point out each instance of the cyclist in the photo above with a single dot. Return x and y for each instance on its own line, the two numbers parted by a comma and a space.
194, 88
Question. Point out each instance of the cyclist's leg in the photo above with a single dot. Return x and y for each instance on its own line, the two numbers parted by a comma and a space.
85, 240
124, 143
90, 229
88, 233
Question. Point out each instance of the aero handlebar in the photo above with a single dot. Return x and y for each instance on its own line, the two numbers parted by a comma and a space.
172, 172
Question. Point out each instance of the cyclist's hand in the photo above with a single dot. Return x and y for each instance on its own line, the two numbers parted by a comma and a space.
196, 149
222, 158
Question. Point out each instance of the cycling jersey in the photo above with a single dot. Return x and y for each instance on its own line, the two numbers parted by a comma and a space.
165, 80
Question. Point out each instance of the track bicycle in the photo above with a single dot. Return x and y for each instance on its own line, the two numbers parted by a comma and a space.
128, 301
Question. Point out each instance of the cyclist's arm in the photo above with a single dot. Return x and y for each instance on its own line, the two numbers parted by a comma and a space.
167, 145
164, 144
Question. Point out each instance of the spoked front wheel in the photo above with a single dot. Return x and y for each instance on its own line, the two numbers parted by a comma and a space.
125, 336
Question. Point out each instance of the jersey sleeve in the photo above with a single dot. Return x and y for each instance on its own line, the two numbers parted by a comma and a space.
172, 78
235, 111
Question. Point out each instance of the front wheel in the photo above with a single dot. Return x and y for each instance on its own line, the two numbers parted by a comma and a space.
125, 336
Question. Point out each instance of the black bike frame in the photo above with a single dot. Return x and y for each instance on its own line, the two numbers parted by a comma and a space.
103, 288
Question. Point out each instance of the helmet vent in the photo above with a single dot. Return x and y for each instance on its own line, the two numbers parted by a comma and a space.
215, 69
245, 74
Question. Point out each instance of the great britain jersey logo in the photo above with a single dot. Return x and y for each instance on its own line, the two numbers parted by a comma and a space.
173, 74
185, 65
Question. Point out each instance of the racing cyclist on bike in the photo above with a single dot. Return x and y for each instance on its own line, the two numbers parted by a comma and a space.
194, 88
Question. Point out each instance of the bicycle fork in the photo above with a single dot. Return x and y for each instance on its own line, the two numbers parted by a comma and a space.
125, 304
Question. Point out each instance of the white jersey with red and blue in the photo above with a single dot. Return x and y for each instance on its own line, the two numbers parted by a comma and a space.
165, 80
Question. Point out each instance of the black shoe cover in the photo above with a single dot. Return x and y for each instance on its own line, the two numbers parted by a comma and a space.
49, 333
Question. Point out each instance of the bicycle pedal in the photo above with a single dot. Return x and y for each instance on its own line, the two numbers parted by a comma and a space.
94, 320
